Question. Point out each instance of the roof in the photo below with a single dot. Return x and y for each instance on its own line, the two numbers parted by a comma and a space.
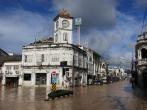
64, 14
9, 59
3, 53
94, 52
49, 40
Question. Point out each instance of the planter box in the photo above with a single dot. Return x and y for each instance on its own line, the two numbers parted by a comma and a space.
59, 93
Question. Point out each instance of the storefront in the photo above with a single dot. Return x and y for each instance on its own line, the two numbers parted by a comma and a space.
41, 78
12, 81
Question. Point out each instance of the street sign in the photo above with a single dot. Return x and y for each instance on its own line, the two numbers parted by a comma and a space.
53, 77
53, 80
78, 21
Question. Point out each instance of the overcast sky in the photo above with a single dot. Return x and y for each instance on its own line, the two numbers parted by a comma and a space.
109, 26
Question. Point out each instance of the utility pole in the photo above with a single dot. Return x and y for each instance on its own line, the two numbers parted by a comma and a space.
73, 72
131, 46
78, 22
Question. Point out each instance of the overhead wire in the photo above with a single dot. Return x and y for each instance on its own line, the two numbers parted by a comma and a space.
144, 20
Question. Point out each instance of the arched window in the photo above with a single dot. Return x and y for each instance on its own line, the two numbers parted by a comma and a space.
90, 59
65, 36
56, 38
144, 53
103, 66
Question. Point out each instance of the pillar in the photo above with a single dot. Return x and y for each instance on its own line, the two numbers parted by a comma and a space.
4, 80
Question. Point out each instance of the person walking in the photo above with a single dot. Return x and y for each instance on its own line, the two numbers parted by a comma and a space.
132, 81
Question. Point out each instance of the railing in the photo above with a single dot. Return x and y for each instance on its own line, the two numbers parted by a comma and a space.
142, 62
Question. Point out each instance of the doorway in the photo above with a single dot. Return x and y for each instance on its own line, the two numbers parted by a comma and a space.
40, 78
12, 81
144, 53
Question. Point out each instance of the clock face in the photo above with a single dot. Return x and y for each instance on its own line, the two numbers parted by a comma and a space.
65, 23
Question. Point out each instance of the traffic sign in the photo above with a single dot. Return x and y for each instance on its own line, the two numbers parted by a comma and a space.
53, 77
53, 80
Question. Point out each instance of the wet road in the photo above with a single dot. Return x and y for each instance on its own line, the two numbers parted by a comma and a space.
115, 96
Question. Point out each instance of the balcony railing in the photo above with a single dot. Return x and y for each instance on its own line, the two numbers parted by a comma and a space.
142, 62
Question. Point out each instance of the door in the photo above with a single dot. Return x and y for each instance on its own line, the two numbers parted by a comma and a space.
41, 78
12, 81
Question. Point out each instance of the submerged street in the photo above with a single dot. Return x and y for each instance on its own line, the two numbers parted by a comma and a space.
115, 96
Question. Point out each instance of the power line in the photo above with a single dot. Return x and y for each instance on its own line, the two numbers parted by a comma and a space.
144, 18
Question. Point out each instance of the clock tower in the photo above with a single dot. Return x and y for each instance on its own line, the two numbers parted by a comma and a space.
63, 28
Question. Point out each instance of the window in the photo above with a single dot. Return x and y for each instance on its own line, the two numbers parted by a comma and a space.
27, 77
25, 59
65, 36
90, 59
16, 67
144, 53
56, 37
8, 68
42, 57
55, 58
103, 66
28, 58
57, 24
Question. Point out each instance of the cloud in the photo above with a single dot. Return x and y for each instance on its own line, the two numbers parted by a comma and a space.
94, 13
114, 43
142, 3
107, 30
20, 27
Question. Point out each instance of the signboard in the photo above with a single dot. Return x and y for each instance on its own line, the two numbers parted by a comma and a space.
53, 80
53, 77
78, 21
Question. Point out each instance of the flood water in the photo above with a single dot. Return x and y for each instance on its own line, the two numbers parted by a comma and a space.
115, 96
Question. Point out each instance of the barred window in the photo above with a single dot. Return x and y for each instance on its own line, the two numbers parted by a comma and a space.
27, 77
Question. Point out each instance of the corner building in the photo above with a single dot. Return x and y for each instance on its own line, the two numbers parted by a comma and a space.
141, 60
57, 54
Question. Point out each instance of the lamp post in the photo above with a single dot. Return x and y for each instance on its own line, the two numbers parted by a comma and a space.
78, 22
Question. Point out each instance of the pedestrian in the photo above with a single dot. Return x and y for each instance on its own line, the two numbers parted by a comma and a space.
132, 81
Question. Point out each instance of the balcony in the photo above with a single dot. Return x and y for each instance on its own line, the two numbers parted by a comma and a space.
142, 38
142, 62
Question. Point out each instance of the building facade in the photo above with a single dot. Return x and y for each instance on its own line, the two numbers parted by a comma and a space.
73, 65
141, 60
41, 58
12, 74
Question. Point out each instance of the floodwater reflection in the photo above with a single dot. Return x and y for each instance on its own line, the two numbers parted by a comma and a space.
23, 93
115, 96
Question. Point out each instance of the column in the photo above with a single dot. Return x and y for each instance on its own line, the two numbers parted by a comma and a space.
33, 80
48, 79
20, 81
4, 80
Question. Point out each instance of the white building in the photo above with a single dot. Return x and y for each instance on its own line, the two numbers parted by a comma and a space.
117, 72
140, 74
41, 58
103, 71
73, 65
11, 73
